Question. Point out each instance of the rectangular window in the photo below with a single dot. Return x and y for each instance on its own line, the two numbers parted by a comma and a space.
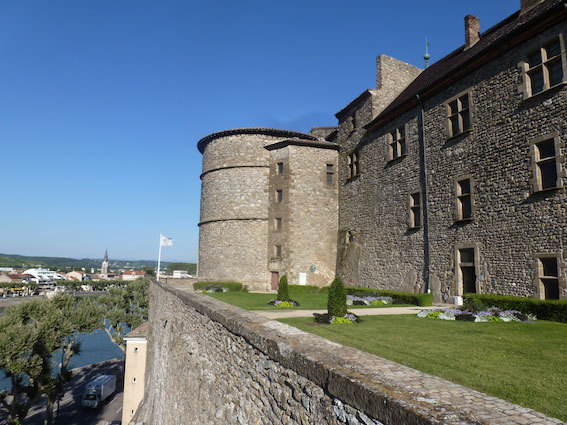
279, 168
546, 163
397, 143
467, 270
330, 177
277, 251
464, 199
279, 195
277, 224
353, 168
459, 115
548, 277
544, 67
415, 210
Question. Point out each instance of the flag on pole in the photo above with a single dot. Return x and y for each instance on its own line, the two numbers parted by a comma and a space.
165, 241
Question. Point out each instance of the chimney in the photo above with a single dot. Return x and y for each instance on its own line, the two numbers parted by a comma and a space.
472, 31
526, 5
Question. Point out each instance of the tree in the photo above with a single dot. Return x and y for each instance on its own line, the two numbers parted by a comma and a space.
336, 303
190, 268
150, 271
125, 308
29, 335
25, 355
283, 293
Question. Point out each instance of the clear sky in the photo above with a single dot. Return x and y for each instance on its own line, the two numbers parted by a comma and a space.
102, 102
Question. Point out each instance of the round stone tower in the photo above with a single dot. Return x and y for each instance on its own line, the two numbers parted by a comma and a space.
233, 228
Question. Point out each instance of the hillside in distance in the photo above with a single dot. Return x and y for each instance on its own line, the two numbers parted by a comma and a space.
23, 261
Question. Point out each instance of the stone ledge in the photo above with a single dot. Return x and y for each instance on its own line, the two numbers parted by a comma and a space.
387, 391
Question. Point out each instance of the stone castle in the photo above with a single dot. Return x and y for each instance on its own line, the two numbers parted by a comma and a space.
449, 179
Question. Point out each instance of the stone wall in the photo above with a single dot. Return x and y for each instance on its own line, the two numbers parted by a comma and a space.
233, 227
309, 213
511, 225
212, 363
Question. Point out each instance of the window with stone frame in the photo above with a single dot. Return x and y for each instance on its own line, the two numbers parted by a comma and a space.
397, 147
277, 251
279, 168
279, 195
545, 67
353, 165
277, 224
463, 199
415, 216
548, 276
459, 115
546, 165
330, 175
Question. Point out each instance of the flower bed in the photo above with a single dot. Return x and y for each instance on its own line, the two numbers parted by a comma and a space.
284, 304
368, 300
327, 319
212, 289
493, 314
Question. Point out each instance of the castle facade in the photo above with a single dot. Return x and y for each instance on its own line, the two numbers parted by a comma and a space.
449, 179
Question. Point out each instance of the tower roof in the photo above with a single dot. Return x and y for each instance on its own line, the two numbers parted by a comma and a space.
105, 255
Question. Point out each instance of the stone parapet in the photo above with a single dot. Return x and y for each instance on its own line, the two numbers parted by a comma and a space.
210, 362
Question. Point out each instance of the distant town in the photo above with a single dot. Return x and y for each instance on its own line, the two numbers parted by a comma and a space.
25, 276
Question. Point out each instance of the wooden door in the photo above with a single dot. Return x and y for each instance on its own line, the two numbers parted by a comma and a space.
275, 280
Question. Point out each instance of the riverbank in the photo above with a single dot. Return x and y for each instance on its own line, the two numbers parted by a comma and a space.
10, 301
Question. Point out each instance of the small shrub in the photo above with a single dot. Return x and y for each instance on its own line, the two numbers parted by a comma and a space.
283, 292
305, 289
336, 304
553, 310
231, 286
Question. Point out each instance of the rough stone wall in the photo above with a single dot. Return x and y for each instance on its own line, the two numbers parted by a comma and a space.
392, 76
212, 363
234, 202
313, 215
511, 224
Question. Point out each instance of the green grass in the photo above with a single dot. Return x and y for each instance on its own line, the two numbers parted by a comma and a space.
520, 362
252, 301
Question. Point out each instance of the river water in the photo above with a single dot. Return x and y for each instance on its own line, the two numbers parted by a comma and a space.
95, 347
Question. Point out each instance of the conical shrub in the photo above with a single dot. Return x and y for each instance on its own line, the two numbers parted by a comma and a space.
283, 292
337, 298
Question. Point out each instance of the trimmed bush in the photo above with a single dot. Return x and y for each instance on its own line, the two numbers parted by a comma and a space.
231, 286
336, 304
554, 310
283, 293
306, 289
399, 297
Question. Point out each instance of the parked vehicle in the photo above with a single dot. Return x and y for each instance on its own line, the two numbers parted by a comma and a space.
98, 390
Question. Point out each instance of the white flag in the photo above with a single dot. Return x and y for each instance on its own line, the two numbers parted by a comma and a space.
165, 241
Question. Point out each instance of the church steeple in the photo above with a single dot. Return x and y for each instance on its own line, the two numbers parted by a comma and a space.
104, 267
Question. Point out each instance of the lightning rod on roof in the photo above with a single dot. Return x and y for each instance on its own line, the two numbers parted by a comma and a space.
426, 56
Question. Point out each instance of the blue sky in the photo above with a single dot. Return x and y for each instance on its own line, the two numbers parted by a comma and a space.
102, 102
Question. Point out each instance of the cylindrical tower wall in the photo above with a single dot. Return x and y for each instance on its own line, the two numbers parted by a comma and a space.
233, 232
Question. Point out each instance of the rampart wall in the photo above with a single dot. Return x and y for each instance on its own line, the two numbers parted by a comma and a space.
212, 363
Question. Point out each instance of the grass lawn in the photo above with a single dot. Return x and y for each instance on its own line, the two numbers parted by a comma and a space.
251, 301
525, 363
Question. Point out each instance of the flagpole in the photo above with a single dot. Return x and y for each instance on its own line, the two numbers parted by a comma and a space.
159, 257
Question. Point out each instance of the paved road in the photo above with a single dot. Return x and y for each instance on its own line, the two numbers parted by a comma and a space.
70, 410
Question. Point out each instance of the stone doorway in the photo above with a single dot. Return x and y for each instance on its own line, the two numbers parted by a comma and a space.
275, 280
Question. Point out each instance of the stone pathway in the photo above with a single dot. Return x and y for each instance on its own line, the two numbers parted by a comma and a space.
282, 314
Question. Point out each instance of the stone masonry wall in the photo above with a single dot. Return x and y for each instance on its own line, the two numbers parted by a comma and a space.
511, 223
234, 203
212, 363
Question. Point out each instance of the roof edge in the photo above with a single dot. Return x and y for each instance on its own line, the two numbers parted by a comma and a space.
322, 144
201, 144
